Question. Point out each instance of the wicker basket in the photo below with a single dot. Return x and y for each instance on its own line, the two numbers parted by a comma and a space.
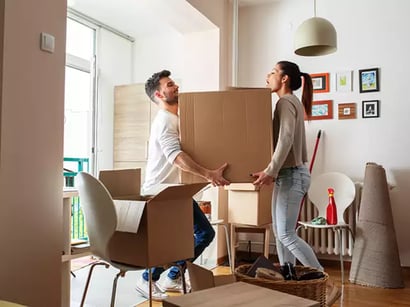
314, 289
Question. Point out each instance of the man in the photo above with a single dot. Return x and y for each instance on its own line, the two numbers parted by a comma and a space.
165, 157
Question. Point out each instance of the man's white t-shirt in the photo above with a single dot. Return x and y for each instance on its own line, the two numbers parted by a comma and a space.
164, 146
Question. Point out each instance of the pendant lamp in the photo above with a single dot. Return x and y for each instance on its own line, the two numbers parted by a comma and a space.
315, 36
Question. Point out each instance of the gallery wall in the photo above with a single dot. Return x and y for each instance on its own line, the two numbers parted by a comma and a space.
370, 35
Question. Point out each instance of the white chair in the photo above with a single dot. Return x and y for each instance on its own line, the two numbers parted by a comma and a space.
344, 195
101, 222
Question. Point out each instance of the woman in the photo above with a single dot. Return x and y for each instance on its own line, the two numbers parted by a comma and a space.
287, 168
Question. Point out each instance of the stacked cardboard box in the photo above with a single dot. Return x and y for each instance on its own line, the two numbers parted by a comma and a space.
233, 126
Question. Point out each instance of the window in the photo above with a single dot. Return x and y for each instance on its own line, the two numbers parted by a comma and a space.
79, 140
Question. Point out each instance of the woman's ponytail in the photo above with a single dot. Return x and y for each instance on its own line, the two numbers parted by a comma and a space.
307, 94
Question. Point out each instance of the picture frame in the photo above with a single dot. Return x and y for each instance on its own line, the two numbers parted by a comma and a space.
321, 109
369, 80
347, 110
344, 81
370, 108
320, 82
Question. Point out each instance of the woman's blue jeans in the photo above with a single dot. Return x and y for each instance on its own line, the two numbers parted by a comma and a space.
203, 236
290, 187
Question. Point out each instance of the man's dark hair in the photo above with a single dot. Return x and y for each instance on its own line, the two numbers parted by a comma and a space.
152, 83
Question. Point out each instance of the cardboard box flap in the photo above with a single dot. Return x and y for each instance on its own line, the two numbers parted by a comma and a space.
242, 187
179, 191
122, 183
129, 214
200, 278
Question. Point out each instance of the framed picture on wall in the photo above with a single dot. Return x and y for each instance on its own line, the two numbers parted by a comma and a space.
347, 110
344, 81
322, 109
370, 108
369, 80
320, 82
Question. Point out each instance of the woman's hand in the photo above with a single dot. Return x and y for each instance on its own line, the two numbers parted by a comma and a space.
262, 179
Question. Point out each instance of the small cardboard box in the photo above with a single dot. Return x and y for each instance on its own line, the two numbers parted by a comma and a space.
227, 126
151, 232
247, 204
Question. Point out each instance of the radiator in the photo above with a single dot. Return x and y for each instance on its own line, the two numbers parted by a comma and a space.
325, 241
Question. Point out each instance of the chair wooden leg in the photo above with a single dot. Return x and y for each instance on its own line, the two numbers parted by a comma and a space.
228, 247
89, 278
233, 246
266, 242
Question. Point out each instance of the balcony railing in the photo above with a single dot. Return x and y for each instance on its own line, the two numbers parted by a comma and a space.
72, 166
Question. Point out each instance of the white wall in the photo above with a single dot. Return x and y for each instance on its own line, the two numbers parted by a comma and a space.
192, 58
219, 12
370, 34
201, 61
115, 67
189, 49
31, 151
155, 53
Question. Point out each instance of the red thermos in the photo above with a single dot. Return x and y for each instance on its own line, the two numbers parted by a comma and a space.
331, 211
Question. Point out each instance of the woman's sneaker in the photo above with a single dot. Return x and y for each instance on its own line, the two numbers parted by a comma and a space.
143, 289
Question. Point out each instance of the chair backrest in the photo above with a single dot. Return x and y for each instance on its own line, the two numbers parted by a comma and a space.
344, 194
99, 213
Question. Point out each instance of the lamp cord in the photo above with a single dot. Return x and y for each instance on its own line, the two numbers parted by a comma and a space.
314, 8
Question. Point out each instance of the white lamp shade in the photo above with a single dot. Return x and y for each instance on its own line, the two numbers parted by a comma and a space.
315, 36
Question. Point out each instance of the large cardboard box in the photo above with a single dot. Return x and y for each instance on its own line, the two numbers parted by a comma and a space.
155, 231
248, 204
227, 126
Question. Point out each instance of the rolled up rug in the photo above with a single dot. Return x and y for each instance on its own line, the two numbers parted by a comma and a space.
375, 259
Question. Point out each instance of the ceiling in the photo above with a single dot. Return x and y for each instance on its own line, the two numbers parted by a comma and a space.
144, 17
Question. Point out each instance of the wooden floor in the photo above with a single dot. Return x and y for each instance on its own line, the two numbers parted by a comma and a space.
352, 294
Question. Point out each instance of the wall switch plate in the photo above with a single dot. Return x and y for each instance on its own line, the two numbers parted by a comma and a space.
47, 42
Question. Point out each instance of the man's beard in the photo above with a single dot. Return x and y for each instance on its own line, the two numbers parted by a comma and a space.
172, 101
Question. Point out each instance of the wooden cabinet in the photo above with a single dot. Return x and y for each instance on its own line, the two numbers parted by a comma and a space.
133, 114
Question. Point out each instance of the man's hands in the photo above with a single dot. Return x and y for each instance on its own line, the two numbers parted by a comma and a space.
186, 163
216, 176
262, 179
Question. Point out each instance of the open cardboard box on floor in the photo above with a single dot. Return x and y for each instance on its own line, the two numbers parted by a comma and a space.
154, 231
